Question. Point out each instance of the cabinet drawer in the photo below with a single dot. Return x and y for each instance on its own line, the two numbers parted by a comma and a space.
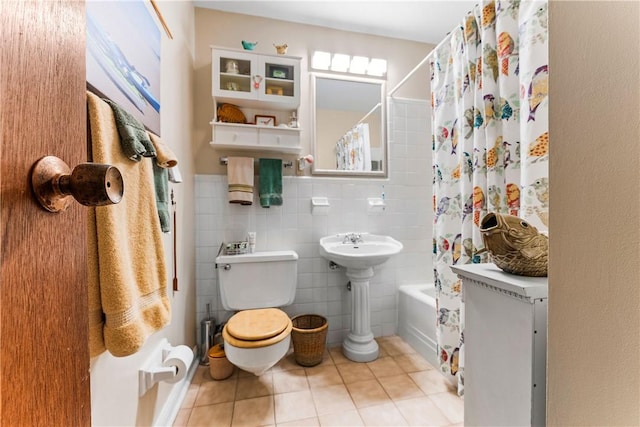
279, 138
239, 136
252, 137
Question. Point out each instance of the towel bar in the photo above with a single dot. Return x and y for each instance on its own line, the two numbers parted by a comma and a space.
224, 161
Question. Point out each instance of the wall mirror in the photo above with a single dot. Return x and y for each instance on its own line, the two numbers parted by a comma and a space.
349, 126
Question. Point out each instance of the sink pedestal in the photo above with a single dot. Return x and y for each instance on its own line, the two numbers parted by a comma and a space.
359, 345
359, 253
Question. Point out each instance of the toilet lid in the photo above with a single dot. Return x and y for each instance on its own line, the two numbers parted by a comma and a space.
259, 324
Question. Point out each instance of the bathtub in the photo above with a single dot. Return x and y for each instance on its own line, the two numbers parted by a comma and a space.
417, 319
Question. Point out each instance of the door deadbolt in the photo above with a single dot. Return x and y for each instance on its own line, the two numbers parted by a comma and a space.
91, 184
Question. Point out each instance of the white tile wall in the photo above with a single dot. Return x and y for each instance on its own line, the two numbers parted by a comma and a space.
407, 218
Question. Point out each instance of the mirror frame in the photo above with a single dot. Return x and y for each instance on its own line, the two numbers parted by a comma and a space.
315, 171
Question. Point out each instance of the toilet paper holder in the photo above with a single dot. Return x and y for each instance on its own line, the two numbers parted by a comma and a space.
150, 376
154, 372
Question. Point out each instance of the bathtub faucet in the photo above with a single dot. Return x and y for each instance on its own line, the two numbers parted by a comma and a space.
353, 238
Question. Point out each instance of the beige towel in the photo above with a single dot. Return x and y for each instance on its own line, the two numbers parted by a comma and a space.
240, 180
164, 156
127, 272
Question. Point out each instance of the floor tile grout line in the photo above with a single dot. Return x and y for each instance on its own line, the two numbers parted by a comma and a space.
379, 379
235, 395
438, 406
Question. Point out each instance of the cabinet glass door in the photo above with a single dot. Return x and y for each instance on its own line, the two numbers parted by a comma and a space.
235, 74
280, 76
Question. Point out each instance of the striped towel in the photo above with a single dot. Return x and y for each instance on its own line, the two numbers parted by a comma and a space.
240, 178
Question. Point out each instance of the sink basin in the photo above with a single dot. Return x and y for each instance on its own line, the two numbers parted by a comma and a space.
369, 250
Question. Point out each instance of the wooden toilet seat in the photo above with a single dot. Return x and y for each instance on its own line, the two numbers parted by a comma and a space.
257, 328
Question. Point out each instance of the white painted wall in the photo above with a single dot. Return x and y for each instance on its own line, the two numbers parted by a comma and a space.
228, 29
114, 381
408, 218
593, 361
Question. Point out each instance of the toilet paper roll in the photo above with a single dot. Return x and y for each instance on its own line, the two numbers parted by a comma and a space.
181, 357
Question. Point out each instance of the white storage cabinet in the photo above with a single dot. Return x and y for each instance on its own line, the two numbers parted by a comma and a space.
258, 84
505, 340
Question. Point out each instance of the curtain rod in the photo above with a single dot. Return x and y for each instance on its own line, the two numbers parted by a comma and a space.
379, 104
408, 76
443, 41
425, 59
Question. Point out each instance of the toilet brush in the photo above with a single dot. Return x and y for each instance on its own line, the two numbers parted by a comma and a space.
207, 331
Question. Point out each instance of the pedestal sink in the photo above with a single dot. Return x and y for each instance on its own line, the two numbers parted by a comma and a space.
359, 253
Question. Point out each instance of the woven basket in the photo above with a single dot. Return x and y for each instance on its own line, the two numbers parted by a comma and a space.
309, 335
520, 265
230, 114
508, 238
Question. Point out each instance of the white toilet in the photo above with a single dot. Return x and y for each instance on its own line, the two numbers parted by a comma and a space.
259, 334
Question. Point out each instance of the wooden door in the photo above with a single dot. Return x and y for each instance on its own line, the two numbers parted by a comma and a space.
44, 356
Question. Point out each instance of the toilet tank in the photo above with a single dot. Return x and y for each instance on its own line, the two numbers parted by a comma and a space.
257, 280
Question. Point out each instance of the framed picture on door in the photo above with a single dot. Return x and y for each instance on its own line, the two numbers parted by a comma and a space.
123, 57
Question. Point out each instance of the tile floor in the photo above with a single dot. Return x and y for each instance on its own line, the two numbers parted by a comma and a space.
398, 389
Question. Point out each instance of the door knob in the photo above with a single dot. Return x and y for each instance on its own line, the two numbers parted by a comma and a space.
91, 184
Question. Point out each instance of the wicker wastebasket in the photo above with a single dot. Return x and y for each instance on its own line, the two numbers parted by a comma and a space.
309, 336
219, 366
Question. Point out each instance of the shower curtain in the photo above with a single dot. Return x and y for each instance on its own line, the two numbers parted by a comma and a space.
353, 150
489, 86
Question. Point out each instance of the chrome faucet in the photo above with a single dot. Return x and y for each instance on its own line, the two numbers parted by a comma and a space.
353, 238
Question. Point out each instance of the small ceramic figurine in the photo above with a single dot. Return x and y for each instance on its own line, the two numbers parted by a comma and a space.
281, 49
248, 45
231, 67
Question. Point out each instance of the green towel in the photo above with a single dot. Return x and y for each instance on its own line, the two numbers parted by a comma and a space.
136, 144
270, 182
133, 137
161, 183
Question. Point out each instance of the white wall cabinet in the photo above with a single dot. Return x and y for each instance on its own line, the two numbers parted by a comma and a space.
273, 80
260, 85
505, 340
